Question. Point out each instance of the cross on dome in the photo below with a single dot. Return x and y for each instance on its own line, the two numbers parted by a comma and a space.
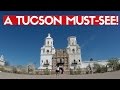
48, 35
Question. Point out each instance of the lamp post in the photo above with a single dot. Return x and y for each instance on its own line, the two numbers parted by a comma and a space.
28, 69
91, 60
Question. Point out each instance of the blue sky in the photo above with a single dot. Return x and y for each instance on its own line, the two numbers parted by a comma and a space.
21, 45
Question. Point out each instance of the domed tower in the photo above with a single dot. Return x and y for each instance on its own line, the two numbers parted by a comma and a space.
74, 52
47, 52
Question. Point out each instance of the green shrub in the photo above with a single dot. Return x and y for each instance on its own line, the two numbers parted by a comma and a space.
1, 68
46, 72
97, 68
113, 63
71, 72
75, 72
37, 72
78, 71
118, 67
103, 69
14, 70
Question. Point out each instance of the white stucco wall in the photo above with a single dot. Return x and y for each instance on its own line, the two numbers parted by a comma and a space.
86, 63
44, 58
2, 63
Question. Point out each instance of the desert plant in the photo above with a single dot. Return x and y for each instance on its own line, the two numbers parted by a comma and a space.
88, 69
37, 72
14, 70
114, 64
97, 68
46, 71
78, 71
71, 72
31, 68
1, 68
75, 72
103, 69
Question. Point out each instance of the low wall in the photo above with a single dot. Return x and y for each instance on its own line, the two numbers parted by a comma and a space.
50, 72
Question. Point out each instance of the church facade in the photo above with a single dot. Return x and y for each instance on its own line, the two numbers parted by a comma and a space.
69, 57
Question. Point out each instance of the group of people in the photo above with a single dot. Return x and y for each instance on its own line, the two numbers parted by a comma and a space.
59, 70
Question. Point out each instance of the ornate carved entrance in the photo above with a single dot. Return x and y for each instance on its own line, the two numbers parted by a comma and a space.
60, 58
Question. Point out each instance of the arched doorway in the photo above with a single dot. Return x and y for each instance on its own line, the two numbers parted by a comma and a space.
60, 64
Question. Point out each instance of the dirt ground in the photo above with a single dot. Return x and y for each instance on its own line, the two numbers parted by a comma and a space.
108, 75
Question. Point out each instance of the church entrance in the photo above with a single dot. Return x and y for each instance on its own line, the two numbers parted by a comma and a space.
61, 66
60, 58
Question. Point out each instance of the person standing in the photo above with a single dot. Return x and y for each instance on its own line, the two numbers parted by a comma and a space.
57, 70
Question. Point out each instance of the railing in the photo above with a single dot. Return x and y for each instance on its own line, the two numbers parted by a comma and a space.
74, 63
46, 64
60, 63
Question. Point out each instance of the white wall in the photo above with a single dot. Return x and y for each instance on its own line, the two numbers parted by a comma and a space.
2, 63
86, 63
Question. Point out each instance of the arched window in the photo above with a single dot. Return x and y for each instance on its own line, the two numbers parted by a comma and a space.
79, 60
73, 50
74, 60
47, 51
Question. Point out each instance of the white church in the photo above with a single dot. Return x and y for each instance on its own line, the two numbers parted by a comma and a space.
2, 61
68, 58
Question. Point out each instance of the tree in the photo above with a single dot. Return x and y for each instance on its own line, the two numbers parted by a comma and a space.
31, 68
14, 69
97, 68
103, 69
114, 63
22, 69
88, 69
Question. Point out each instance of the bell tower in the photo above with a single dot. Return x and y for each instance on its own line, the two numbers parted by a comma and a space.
47, 52
74, 52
